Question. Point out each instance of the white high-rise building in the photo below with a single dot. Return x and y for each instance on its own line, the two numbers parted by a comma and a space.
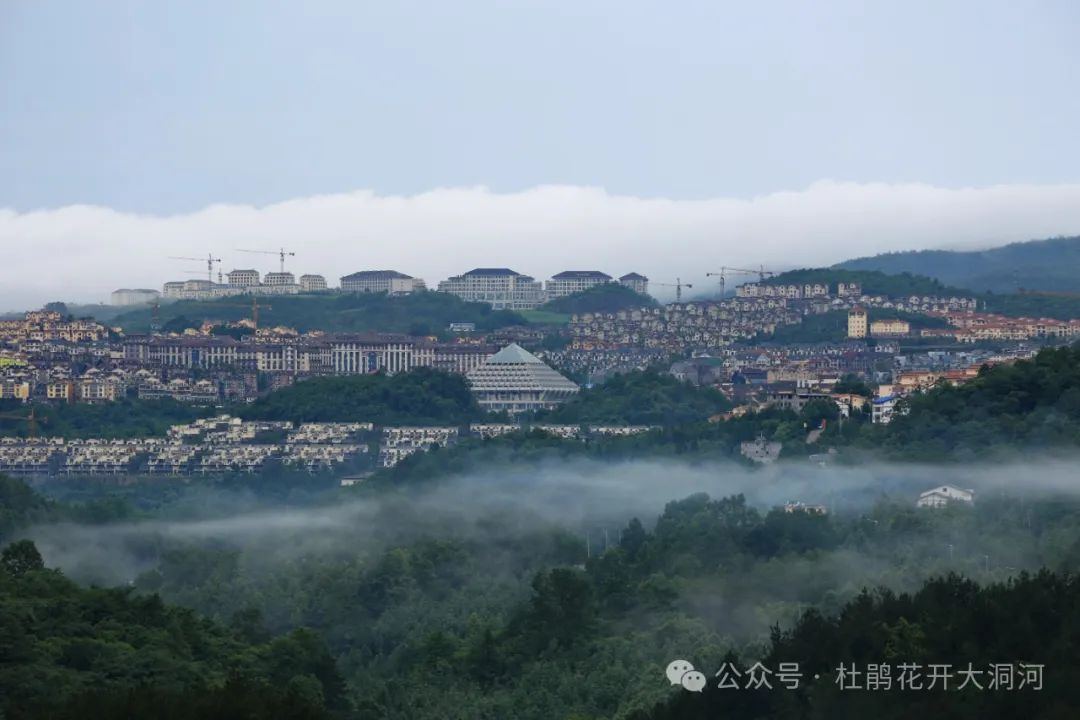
502, 288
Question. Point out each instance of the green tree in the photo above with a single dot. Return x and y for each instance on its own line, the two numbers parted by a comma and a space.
21, 557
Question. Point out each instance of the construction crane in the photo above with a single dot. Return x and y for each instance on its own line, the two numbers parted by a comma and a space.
209, 260
280, 253
199, 272
762, 273
678, 285
31, 421
255, 307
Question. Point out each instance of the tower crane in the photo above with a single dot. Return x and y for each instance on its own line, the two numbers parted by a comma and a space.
209, 260
199, 272
281, 253
678, 285
762, 273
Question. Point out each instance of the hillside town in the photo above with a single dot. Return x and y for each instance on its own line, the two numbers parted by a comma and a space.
727, 343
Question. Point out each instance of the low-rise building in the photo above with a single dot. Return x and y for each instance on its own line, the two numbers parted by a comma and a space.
943, 495
502, 288
243, 278
312, 283
390, 282
279, 278
887, 328
883, 408
569, 282
636, 282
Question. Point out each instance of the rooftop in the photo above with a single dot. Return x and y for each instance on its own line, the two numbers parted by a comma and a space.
581, 275
377, 275
491, 271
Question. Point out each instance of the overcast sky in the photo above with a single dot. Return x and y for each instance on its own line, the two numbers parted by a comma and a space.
430, 137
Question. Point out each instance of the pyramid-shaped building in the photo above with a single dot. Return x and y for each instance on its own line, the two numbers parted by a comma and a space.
514, 380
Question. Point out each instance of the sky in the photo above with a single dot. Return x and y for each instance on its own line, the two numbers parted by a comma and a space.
431, 137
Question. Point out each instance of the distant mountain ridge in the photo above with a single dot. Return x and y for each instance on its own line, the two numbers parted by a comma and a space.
1051, 265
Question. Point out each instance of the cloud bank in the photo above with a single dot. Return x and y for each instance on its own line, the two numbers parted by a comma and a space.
81, 253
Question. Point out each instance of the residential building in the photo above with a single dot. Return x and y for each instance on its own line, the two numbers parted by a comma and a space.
136, 296
461, 358
636, 282
502, 288
243, 278
367, 353
569, 282
312, 283
795, 399
857, 323
14, 390
515, 381
883, 408
885, 328
849, 290
390, 282
945, 495
60, 390
461, 327
279, 278
761, 450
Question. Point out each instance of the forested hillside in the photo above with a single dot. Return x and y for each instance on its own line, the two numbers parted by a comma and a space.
435, 612
1034, 620
128, 418
73, 652
873, 282
1052, 265
643, 397
420, 397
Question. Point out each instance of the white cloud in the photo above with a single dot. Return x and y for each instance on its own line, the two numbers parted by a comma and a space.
81, 253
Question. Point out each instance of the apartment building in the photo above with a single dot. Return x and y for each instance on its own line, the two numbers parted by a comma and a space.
390, 282
502, 288
279, 278
367, 353
569, 282
312, 283
243, 278
885, 328
857, 325
636, 282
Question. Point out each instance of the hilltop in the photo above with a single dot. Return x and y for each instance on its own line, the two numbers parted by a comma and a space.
1045, 265
419, 313
604, 298
875, 282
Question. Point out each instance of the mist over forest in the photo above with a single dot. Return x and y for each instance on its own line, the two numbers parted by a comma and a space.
563, 589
